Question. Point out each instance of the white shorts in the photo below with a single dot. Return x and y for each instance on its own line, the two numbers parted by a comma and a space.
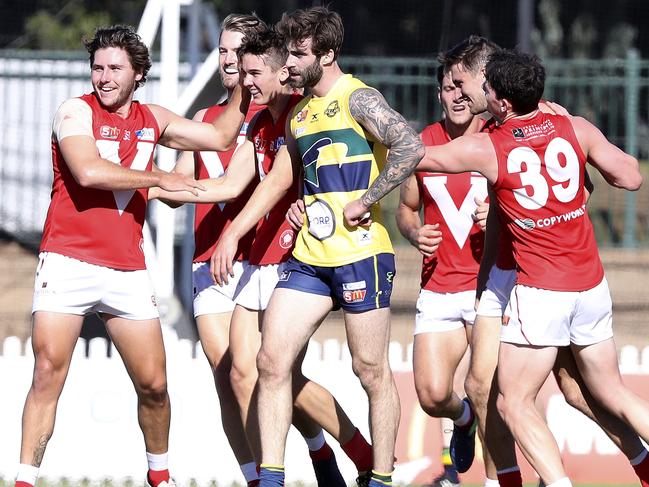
209, 297
557, 318
495, 297
438, 312
257, 284
67, 285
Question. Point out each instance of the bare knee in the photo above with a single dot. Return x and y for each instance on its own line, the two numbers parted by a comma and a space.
372, 374
271, 367
49, 373
477, 388
433, 399
151, 388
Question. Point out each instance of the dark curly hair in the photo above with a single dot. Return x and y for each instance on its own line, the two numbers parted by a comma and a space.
268, 43
123, 37
323, 26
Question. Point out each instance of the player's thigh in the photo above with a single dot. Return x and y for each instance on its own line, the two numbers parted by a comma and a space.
54, 336
214, 334
289, 321
368, 335
523, 369
598, 366
485, 342
245, 340
436, 356
139, 343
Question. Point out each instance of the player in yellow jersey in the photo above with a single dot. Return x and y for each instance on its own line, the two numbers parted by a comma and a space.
339, 138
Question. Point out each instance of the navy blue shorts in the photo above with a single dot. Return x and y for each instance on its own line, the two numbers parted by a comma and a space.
356, 287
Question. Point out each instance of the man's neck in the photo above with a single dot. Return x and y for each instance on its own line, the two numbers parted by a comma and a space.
330, 75
277, 105
519, 116
456, 130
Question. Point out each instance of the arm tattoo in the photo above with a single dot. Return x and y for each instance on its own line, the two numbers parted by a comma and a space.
39, 451
370, 109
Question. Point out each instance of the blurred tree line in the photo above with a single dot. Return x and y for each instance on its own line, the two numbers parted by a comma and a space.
581, 28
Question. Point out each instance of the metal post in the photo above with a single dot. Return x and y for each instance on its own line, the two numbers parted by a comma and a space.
525, 25
632, 106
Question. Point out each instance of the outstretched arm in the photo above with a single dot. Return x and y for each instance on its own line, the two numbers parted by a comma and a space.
618, 168
369, 108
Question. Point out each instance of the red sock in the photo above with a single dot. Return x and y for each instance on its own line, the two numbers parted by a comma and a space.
324, 453
359, 451
157, 476
22, 483
510, 479
641, 470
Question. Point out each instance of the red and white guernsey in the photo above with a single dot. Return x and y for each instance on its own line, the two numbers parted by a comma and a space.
274, 238
99, 226
540, 190
448, 199
211, 220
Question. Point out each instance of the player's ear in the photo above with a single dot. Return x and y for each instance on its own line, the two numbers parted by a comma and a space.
327, 58
138, 76
283, 74
439, 95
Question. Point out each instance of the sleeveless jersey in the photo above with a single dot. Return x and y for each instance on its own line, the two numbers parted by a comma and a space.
540, 189
211, 220
341, 160
274, 237
98, 226
448, 199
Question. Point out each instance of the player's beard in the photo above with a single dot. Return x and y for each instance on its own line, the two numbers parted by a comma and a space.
308, 77
124, 95
229, 81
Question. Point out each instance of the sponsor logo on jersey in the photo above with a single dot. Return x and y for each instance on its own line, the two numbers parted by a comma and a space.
332, 109
525, 223
277, 143
127, 135
107, 132
364, 237
260, 144
355, 296
146, 133
322, 222
553, 220
353, 286
314, 118
301, 116
389, 276
299, 131
286, 239
284, 275
518, 133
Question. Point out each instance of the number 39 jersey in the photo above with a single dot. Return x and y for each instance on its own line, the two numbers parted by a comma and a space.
93, 225
540, 190
448, 199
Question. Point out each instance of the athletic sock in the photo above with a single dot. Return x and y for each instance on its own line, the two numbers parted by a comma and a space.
249, 471
466, 418
641, 466
158, 468
271, 475
491, 482
510, 477
359, 451
323, 453
446, 457
380, 479
27, 475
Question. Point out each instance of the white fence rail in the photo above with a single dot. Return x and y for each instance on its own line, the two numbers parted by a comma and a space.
97, 434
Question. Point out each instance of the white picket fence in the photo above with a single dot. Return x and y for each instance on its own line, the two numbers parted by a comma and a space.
97, 434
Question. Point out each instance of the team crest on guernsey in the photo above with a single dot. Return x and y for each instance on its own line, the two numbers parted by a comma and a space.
332, 109
286, 239
301, 116
108, 132
518, 133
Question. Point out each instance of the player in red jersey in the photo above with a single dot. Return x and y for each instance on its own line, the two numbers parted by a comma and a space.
91, 257
535, 162
262, 57
445, 308
213, 305
467, 61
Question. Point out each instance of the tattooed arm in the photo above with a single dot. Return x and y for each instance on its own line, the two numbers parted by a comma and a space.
369, 108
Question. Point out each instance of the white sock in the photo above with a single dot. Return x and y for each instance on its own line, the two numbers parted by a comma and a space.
491, 482
316, 442
465, 417
564, 482
249, 471
27, 473
158, 461
638, 460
